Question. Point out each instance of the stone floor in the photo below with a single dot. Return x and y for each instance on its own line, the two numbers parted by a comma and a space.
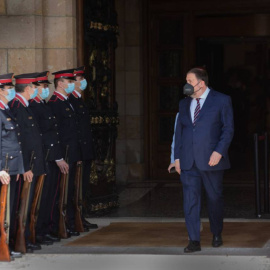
155, 202
59, 256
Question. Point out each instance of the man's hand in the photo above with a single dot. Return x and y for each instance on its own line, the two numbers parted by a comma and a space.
214, 159
170, 166
17, 178
4, 177
63, 166
28, 176
177, 166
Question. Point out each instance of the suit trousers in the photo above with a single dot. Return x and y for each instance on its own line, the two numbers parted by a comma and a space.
192, 181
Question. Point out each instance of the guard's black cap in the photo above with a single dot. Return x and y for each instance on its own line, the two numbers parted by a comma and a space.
43, 77
79, 71
65, 74
6, 79
27, 78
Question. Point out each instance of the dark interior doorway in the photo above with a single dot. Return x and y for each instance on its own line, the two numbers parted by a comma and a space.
239, 67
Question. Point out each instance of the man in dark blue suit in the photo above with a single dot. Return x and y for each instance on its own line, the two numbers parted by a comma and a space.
204, 132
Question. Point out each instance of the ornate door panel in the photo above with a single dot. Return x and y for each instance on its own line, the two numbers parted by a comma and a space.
166, 81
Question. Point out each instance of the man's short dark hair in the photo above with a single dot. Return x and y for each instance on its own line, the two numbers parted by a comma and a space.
200, 74
55, 81
19, 88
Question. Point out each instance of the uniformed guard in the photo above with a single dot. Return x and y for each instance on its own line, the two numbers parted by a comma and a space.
10, 151
31, 143
85, 134
47, 222
68, 129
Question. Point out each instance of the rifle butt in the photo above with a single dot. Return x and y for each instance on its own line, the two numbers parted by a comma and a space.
32, 237
4, 251
78, 222
20, 245
62, 228
34, 214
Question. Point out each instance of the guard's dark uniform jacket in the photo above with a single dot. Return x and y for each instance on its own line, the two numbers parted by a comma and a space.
30, 136
48, 127
9, 143
85, 134
67, 125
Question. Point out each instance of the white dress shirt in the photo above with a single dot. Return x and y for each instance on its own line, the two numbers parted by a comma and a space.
193, 103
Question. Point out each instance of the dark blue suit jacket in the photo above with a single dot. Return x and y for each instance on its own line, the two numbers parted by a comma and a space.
213, 132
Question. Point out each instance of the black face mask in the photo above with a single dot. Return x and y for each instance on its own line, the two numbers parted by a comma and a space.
188, 89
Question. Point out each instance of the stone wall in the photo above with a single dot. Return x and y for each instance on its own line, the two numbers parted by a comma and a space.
37, 35
129, 95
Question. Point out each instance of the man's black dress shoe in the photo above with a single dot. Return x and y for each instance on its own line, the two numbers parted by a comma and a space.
15, 254
217, 241
52, 238
72, 233
86, 229
43, 241
89, 225
192, 247
33, 246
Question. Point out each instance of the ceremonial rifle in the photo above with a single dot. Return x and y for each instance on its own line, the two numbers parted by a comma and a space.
20, 244
36, 204
63, 201
5, 219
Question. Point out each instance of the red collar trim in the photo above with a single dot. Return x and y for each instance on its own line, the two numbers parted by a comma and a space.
37, 99
17, 97
2, 107
59, 96
74, 94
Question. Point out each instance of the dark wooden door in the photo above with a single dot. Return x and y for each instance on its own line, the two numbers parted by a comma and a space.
167, 60
177, 42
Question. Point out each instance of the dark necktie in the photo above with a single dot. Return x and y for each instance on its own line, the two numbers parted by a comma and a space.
197, 111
